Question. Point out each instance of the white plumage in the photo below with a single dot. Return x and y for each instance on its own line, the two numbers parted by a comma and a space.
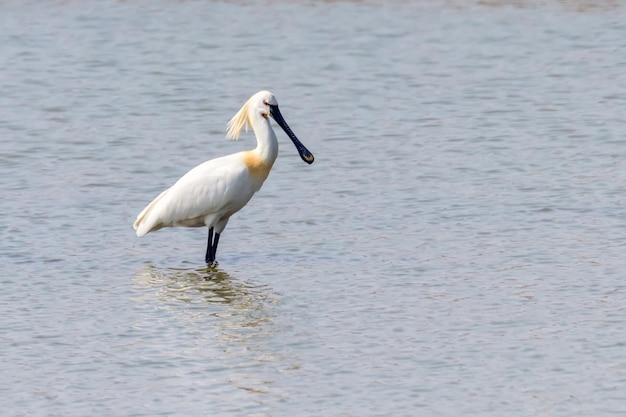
214, 190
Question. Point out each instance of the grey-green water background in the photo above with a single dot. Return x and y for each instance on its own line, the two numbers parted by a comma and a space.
457, 249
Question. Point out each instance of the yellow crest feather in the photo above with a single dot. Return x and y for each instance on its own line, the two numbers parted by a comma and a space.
239, 121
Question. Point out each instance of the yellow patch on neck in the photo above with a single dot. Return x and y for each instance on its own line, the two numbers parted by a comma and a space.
257, 167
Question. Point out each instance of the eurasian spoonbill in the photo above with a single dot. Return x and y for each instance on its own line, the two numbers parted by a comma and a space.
215, 190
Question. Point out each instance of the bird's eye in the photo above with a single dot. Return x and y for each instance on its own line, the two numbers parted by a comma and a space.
266, 103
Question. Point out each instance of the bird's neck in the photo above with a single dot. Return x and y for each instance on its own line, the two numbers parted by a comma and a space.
267, 144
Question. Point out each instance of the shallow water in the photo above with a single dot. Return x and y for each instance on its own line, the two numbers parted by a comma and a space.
457, 248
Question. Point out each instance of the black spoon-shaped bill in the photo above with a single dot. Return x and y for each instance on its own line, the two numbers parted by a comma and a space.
302, 150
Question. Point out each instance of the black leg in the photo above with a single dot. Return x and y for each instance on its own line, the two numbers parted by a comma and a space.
210, 254
214, 248
211, 246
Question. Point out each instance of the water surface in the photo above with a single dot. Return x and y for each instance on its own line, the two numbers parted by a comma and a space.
457, 248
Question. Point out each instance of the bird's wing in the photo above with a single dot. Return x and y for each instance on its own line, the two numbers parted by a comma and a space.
213, 187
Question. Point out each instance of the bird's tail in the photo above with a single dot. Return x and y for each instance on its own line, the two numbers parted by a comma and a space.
145, 223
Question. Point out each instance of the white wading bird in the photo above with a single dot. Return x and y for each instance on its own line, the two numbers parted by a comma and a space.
215, 190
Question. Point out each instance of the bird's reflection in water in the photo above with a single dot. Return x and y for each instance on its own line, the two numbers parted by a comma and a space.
209, 290
219, 321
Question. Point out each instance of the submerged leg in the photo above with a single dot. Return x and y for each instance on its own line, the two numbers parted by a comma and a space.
211, 246
210, 256
214, 248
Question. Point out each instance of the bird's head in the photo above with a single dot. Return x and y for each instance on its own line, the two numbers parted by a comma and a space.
264, 104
